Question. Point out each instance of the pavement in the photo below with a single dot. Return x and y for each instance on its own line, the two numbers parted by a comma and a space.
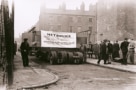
114, 65
33, 76
2, 85
1, 76
30, 77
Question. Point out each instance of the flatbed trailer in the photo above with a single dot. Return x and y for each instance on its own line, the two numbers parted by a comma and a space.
56, 54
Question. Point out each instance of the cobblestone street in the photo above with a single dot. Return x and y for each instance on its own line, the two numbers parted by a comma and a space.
88, 77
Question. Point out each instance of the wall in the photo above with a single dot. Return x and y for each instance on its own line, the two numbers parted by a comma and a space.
116, 19
67, 21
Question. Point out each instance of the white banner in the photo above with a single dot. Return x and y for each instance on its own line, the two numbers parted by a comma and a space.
58, 39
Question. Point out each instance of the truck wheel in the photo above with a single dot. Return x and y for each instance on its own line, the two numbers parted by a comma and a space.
70, 57
59, 55
53, 57
81, 60
64, 56
51, 61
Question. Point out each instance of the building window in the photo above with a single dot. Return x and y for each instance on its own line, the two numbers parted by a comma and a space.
90, 20
59, 27
59, 18
79, 28
51, 27
79, 19
71, 28
75, 19
71, 19
50, 18
90, 28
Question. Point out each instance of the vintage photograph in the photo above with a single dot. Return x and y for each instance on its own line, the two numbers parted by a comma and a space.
67, 45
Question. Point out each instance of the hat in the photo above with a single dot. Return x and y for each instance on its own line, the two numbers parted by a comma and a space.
105, 40
126, 38
90, 42
25, 39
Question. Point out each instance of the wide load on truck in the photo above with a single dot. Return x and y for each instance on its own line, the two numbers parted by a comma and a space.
57, 47
58, 39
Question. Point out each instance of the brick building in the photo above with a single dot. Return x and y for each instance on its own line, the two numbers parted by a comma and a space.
80, 21
108, 19
116, 19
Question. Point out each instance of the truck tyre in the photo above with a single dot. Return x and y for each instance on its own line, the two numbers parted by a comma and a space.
76, 58
81, 60
59, 55
64, 56
51, 60
70, 57
53, 57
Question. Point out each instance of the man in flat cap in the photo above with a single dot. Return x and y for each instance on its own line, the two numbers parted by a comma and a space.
103, 52
124, 49
24, 52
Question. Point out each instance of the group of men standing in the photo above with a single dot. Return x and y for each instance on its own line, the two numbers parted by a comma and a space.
128, 51
107, 51
104, 51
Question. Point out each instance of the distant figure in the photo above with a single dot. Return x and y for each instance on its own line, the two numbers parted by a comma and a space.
96, 50
15, 48
83, 50
131, 51
90, 50
124, 49
103, 52
115, 50
24, 52
110, 50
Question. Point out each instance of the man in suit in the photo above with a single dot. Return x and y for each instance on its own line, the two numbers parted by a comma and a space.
115, 50
83, 50
131, 51
96, 50
24, 52
90, 49
124, 49
110, 50
103, 52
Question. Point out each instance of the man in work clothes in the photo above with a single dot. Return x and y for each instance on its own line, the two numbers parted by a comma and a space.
90, 50
103, 52
110, 50
24, 52
115, 50
83, 50
124, 49
131, 51
96, 50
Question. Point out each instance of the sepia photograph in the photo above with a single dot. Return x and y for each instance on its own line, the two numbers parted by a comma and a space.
67, 45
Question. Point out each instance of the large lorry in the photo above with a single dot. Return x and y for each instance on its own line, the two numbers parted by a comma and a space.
56, 47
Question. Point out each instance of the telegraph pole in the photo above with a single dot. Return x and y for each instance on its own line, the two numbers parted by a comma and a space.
8, 41
12, 24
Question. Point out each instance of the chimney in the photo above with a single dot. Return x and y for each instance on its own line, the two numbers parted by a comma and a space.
63, 6
82, 6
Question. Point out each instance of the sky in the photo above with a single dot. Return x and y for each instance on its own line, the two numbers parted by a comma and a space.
27, 11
